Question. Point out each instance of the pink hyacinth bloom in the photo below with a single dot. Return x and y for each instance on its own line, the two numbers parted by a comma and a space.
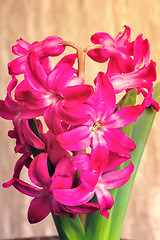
140, 79
56, 92
102, 130
92, 182
51, 46
118, 50
10, 109
44, 202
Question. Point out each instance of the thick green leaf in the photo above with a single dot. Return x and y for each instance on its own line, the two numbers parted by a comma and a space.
68, 228
140, 135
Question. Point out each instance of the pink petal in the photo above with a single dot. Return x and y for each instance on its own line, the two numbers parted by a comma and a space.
39, 209
22, 161
50, 114
120, 64
73, 114
104, 198
17, 66
138, 51
75, 139
26, 188
64, 167
46, 65
124, 37
114, 160
73, 197
89, 179
123, 117
31, 138
54, 150
142, 78
61, 182
118, 141
59, 77
38, 170
84, 208
104, 96
117, 178
78, 93
34, 100
81, 161
100, 151
36, 75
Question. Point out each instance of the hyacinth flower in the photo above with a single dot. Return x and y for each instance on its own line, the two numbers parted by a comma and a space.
102, 130
64, 179
43, 202
97, 177
118, 51
54, 92
51, 46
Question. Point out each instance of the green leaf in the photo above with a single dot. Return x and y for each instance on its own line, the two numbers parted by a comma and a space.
68, 228
140, 135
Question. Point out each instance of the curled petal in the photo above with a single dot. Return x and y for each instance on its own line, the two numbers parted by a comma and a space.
73, 197
73, 115
31, 138
60, 77
142, 78
105, 200
36, 75
114, 160
25, 188
118, 141
84, 208
38, 171
117, 178
124, 37
22, 161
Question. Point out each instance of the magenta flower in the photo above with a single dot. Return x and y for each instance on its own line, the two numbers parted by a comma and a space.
78, 118
140, 79
118, 50
56, 92
102, 130
10, 109
51, 46
43, 202
94, 182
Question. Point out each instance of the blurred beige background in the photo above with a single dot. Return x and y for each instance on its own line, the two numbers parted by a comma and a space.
77, 20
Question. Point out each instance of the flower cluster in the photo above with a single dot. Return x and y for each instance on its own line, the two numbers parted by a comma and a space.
64, 176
